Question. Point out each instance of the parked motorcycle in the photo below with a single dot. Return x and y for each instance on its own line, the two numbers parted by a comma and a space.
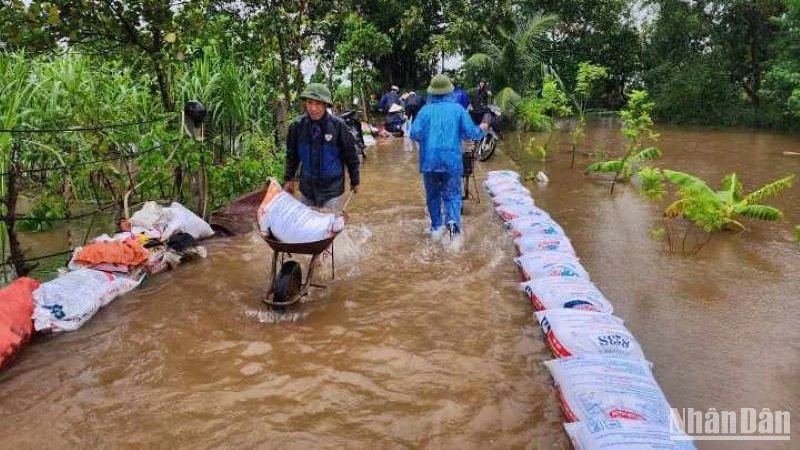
352, 120
484, 148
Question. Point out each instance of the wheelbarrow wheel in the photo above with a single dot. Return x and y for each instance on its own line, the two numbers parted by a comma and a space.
289, 282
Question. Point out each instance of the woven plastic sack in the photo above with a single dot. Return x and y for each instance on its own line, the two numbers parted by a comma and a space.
534, 266
611, 434
513, 198
532, 243
566, 293
600, 387
537, 225
571, 332
507, 186
291, 221
16, 308
181, 220
512, 212
66, 303
500, 174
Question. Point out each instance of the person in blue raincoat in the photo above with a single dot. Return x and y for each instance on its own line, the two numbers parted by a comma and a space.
461, 96
439, 128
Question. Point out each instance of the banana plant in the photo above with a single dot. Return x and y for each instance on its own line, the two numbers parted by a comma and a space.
724, 209
637, 126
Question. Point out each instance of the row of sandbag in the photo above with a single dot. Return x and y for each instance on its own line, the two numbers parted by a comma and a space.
109, 266
606, 387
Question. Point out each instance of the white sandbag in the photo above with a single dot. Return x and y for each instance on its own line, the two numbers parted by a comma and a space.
566, 293
369, 140
571, 332
66, 303
532, 243
497, 174
181, 220
291, 221
601, 387
611, 434
152, 216
513, 198
534, 266
537, 225
511, 212
506, 185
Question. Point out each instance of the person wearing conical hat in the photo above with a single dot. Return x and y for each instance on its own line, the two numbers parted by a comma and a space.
321, 146
392, 97
439, 128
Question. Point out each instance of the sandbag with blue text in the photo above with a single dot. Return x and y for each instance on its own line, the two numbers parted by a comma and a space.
603, 387
612, 434
534, 266
571, 332
66, 303
566, 293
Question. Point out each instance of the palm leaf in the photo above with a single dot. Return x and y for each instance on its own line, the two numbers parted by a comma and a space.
648, 153
479, 62
760, 212
769, 189
605, 166
687, 181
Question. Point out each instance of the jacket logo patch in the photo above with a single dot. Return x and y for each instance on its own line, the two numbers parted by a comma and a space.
328, 137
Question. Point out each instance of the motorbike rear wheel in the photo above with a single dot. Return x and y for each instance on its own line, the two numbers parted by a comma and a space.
486, 147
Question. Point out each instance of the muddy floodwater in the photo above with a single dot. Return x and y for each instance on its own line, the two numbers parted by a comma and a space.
412, 346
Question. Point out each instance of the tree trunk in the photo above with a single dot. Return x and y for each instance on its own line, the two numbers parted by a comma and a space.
16, 257
284, 68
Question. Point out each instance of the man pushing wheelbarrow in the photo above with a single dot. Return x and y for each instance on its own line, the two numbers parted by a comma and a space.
322, 146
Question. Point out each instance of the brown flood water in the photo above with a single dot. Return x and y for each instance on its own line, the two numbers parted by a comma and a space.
415, 347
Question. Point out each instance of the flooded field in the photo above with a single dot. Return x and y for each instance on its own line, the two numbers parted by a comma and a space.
412, 346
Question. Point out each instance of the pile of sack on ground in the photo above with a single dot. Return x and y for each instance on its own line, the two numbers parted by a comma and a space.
606, 386
99, 272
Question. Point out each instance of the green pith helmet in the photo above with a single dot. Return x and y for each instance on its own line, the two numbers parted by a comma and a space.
318, 92
440, 85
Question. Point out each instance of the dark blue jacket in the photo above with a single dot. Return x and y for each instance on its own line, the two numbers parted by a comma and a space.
321, 160
388, 99
461, 97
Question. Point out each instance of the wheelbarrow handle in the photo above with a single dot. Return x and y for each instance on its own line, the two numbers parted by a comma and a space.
347, 202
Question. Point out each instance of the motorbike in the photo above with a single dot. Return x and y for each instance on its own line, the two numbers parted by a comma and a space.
484, 148
353, 122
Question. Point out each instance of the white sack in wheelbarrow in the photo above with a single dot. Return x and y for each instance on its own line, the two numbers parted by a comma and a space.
566, 293
66, 303
534, 266
535, 226
600, 387
612, 434
293, 222
540, 242
571, 332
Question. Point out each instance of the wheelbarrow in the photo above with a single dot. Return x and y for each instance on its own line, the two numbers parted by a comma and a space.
287, 285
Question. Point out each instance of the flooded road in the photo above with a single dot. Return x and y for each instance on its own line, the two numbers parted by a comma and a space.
415, 347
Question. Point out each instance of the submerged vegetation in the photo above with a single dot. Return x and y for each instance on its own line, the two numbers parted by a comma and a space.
637, 128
